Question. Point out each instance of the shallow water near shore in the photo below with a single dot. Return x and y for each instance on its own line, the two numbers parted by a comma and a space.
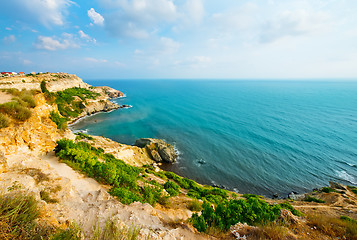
261, 137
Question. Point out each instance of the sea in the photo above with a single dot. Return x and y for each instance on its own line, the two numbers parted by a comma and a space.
249, 136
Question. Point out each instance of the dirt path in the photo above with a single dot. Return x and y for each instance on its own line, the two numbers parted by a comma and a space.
4, 97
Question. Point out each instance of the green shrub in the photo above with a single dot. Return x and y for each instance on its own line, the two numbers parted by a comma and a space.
43, 86
81, 136
312, 199
348, 219
327, 190
252, 211
72, 232
4, 121
29, 100
353, 189
172, 188
195, 206
121, 176
15, 110
61, 122
288, 206
66, 103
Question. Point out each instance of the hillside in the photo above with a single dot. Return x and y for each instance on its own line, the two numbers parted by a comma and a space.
93, 181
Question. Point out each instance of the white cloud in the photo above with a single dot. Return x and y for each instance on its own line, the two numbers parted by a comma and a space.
95, 60
95, 17
46, 12
294, 23
8, 28
86, 37
53, 43
195, 10
169, 46
9, 39
138, 18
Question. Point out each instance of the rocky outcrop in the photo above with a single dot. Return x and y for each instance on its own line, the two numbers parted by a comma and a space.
159, 150
111, 92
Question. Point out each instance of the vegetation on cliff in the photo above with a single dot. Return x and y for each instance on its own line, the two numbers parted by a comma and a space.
19, 109
104, 167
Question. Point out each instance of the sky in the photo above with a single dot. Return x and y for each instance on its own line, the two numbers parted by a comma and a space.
181, 39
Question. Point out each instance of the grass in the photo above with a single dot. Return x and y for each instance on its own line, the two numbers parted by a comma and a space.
334, 227
114, 230
308, 198
18, 108
45, 196
195, 206
61, 122
18, 218
4, 121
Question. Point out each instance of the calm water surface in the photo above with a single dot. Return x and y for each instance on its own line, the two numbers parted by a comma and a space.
261, 137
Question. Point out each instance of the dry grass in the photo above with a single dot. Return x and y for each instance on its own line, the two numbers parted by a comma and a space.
334, 227
18, 218
114, 230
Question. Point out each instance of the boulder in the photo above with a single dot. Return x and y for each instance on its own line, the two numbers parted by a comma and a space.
159, 150
296, 197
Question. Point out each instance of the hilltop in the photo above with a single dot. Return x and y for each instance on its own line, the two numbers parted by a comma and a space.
95, 182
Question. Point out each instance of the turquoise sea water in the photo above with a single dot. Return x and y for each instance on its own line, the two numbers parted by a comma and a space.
260, 137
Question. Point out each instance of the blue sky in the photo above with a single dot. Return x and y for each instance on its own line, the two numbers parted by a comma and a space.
128, 39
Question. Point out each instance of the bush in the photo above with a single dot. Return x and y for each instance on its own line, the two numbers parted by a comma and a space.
195, 206
353, 189
29, 100
312, 199
81, 136
4, 121
327, 190
43, 86
172, 188
229, 212
15, 110
66, 103
121, 176
61, 122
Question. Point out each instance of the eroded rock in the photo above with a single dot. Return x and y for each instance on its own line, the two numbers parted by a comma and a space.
158, 149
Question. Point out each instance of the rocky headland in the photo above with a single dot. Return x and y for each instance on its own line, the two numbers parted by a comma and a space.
28, 164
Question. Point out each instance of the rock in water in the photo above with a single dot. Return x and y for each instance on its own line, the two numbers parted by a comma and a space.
158, 149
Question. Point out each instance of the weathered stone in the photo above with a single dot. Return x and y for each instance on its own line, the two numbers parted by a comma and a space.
295, 196
156, 147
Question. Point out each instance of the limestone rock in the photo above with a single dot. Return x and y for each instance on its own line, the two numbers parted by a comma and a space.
158, 149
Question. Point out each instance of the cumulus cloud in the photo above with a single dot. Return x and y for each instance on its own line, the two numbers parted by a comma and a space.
86, 37
46, 12
293, 23
53, 43
9, 39
95, 17
138, 18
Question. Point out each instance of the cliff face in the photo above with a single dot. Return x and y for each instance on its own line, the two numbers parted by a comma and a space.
55, 82
38, 133
27, 162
